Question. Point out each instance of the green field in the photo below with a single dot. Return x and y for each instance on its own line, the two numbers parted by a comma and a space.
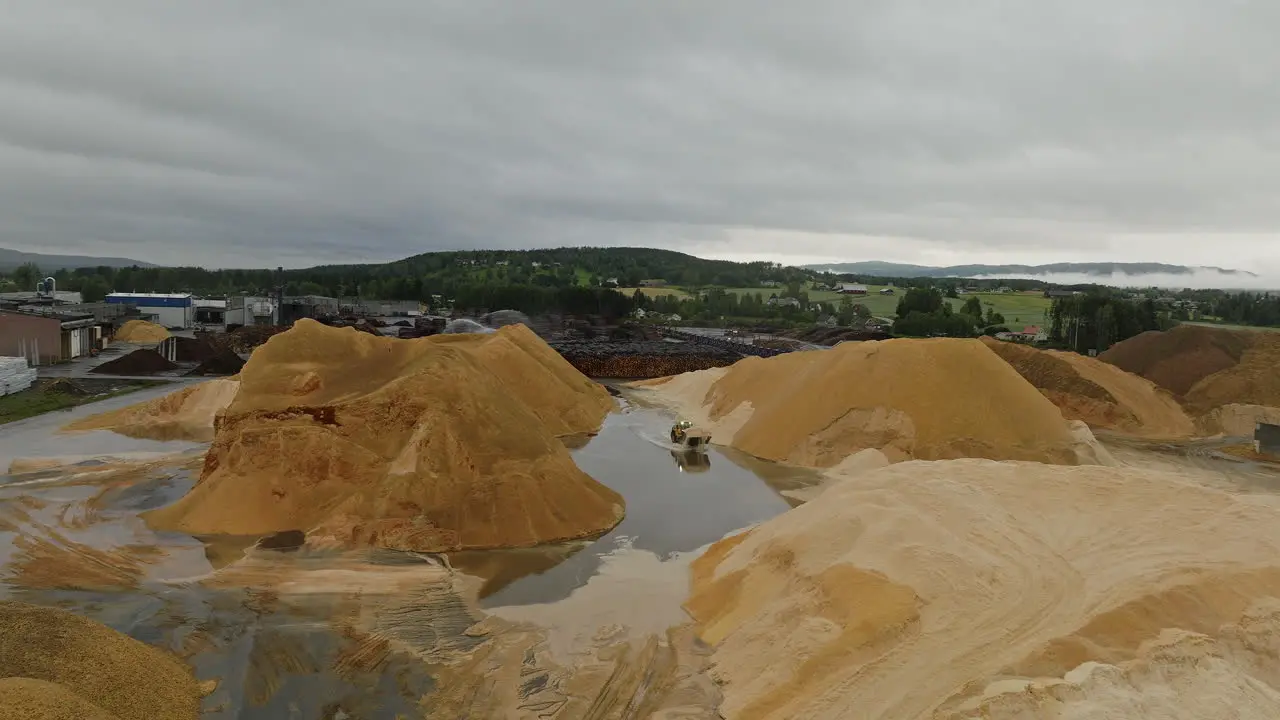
1019, 309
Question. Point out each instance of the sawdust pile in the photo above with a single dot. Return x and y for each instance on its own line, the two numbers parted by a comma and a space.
41, 700
187, 414
435, 444
141, 331
121, 677
1237, 420
947, 589
921, 399
1253, 380
1177, 359
1101, 395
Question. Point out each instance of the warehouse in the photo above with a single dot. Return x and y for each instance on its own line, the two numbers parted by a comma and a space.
47, 338
174, 311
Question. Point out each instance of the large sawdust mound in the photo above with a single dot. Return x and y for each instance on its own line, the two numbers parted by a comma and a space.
921, 399
114, 672
187, 414
944, 589
1254, 380
1101, 395
141, 331
435, 444
1177, 359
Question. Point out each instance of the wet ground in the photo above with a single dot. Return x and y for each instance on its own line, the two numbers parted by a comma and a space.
579, 630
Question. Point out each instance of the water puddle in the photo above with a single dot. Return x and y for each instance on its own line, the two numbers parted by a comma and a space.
311, 634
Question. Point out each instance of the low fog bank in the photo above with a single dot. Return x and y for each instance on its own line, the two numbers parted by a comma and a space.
1201, 278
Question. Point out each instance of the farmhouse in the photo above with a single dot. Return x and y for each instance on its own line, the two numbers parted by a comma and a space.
848, 289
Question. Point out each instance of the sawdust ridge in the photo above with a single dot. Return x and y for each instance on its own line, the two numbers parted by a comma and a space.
123, 677
910, 399
932, 589
1237, 420
141, 331
1179, 358
187, 414
1099, 394
435, 444
1253, 380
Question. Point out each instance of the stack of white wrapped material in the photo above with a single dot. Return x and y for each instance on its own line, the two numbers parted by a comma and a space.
15, 376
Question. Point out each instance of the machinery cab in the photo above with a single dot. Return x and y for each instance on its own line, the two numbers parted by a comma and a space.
680, 430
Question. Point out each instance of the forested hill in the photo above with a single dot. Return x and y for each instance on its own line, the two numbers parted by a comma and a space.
421, 276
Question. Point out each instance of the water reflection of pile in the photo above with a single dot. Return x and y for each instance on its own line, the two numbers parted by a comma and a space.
187, 414
440, 443
924, 399
944, 589
119, 676
1100, 394
141, 332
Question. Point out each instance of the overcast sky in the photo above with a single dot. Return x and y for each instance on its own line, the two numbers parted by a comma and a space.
251, 133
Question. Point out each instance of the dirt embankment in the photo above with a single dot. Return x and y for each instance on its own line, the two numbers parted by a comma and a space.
910, 399
1101, 395
436, 444
975, 589
1254, 380
60, 665
187, 414
141, 332
640, 359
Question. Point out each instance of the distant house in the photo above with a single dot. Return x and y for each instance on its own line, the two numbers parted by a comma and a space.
821, 287
611, 282
886, 291
1029, 334
827, 321
848, 289
1004, 289
783, 302
771, 284
653, 283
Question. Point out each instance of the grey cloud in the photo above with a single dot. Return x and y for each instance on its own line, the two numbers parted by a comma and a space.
242, 133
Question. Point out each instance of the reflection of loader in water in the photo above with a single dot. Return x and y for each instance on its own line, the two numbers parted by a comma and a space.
690, 461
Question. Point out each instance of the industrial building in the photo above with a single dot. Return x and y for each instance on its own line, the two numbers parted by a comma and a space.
49, 337
174, 311
1266, 439
244, 310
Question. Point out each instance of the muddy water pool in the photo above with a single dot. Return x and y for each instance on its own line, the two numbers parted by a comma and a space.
308, 634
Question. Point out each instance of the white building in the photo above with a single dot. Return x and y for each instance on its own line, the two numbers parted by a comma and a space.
172, 310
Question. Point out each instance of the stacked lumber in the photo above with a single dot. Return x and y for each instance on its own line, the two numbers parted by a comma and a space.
15, 376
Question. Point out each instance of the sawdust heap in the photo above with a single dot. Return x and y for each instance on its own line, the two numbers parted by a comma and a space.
141, 331
1177, 359
922, 399
40, 700
1101, 395
187, 414
435, 444
121, 676
1254, 380
1237, 420
945, 589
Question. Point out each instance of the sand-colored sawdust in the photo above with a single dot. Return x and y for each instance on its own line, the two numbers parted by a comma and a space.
1177, 359
28, 699
440, 443
44, 559
187, 414
910, 399
928, 589
1254, 380
125, 678
1100, 394
141, 331
1237, 420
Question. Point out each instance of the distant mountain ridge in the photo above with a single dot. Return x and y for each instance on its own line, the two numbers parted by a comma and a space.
10, 259
888, 269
